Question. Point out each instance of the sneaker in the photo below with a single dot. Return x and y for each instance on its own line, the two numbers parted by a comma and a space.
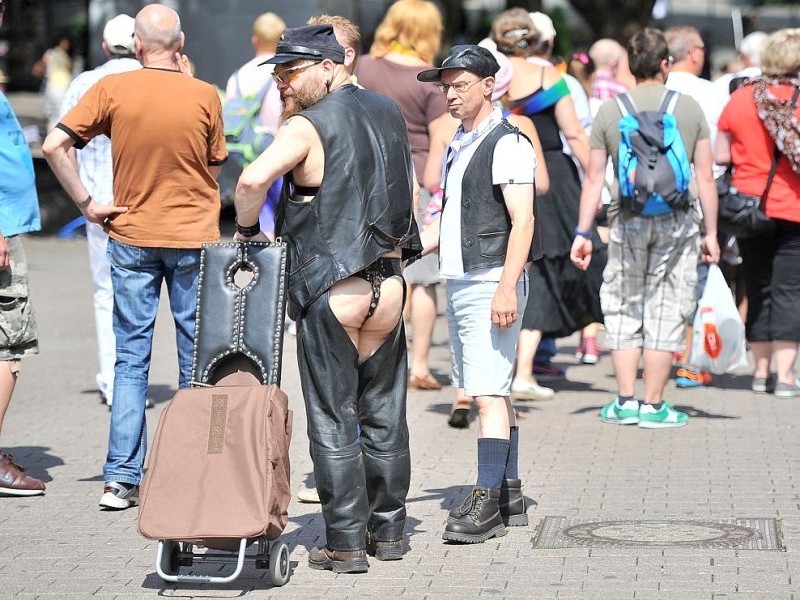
580, 350
620, 414
690, 378
118, 495
763, 385
591, 351
787, 390
308, 496
650, 418
14, 481
548, 371
526, 390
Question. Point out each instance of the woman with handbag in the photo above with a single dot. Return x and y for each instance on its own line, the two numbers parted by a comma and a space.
760, 137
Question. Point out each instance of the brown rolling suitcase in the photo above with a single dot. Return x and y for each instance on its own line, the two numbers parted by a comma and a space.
218, 471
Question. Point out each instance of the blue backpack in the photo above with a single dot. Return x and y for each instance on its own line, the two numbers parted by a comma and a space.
653, 167
245, 136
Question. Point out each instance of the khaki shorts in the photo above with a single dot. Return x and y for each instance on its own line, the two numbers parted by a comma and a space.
648, 292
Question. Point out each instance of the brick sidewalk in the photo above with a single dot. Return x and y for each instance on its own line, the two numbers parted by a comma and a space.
737, 459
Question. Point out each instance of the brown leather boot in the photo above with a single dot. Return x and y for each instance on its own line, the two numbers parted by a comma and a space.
338, 561
384, 549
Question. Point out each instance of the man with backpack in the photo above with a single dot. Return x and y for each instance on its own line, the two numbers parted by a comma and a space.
649, 283
252, 112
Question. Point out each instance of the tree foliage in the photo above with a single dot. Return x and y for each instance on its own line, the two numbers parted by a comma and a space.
617, 19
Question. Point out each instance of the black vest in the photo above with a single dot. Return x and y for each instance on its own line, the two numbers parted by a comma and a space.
363, 209
485, 222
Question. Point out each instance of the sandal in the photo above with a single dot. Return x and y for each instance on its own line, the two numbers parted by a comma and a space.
459, 416
423, 383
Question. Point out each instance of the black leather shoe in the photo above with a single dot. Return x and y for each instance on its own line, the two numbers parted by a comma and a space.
383, 549
477, 519
338, 561
512, 504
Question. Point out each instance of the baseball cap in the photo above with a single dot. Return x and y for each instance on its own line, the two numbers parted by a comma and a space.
309, 42
118, 35
544, 25
474, 59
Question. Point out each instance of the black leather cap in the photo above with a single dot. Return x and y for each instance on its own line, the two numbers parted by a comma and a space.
310, 42
474, 59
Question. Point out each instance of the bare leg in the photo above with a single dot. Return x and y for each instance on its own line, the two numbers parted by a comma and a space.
626, 366
762, 353
785, 356
495, 414
7, 382
423, 319
526, 349
657, 365
687, 351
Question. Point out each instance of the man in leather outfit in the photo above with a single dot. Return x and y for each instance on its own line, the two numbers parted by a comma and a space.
346, 216
485, 240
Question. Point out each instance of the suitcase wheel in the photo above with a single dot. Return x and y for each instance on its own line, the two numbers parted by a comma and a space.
279, 563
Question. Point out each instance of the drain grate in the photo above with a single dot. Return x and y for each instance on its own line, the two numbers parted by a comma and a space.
741, 534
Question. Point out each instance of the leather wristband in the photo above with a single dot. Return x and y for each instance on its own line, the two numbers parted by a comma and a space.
584, 234
85, 202
249, 230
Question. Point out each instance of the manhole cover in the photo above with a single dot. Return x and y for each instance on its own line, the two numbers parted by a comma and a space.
743, 534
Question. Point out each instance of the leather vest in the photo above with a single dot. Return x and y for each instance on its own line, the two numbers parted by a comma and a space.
363, 208
485, 222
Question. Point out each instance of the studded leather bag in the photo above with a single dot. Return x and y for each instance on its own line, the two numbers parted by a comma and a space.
219, 468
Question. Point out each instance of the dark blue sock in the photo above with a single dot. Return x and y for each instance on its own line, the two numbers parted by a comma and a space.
492, 458
512, 467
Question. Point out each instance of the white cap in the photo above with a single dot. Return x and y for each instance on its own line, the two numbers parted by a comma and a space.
118, 35
544, 25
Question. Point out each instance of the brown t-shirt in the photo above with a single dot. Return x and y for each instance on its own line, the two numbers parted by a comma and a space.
419, 102
166, 130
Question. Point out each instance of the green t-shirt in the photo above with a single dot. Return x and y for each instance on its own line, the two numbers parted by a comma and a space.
605, 128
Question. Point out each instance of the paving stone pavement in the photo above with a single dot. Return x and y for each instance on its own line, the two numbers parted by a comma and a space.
737, 458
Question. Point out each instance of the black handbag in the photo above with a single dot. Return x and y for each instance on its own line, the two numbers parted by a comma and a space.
742, 215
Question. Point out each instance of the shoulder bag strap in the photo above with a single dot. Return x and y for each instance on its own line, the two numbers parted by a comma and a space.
775, 157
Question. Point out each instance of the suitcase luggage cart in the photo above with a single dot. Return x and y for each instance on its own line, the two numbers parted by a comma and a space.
218, 473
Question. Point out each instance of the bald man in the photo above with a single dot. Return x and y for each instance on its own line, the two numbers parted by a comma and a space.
608, 57
167, 143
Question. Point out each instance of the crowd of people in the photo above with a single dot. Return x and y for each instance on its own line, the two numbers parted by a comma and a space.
495, 174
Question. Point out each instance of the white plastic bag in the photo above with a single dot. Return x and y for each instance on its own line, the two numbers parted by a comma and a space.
718, 344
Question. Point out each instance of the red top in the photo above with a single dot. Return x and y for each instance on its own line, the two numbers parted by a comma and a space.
752, 149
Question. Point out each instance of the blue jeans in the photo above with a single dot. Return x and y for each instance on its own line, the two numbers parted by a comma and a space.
136, 276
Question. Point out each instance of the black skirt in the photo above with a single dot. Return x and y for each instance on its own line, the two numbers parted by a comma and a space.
563, 299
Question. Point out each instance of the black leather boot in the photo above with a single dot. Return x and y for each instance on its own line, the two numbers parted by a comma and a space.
477, 519
512, 504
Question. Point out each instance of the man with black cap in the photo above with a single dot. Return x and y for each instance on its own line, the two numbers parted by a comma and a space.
485, 240
346, 214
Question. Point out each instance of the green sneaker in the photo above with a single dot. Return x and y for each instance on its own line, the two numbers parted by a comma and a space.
626, 414
650, 418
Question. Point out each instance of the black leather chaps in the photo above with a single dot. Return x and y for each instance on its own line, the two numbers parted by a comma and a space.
357, 428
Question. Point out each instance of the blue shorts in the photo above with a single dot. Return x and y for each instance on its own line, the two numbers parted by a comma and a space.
483, 355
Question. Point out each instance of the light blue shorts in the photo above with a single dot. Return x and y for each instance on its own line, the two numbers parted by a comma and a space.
483, 355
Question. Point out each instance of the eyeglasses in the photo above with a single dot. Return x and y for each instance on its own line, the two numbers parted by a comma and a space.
288, 75
700, 47
459, 87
